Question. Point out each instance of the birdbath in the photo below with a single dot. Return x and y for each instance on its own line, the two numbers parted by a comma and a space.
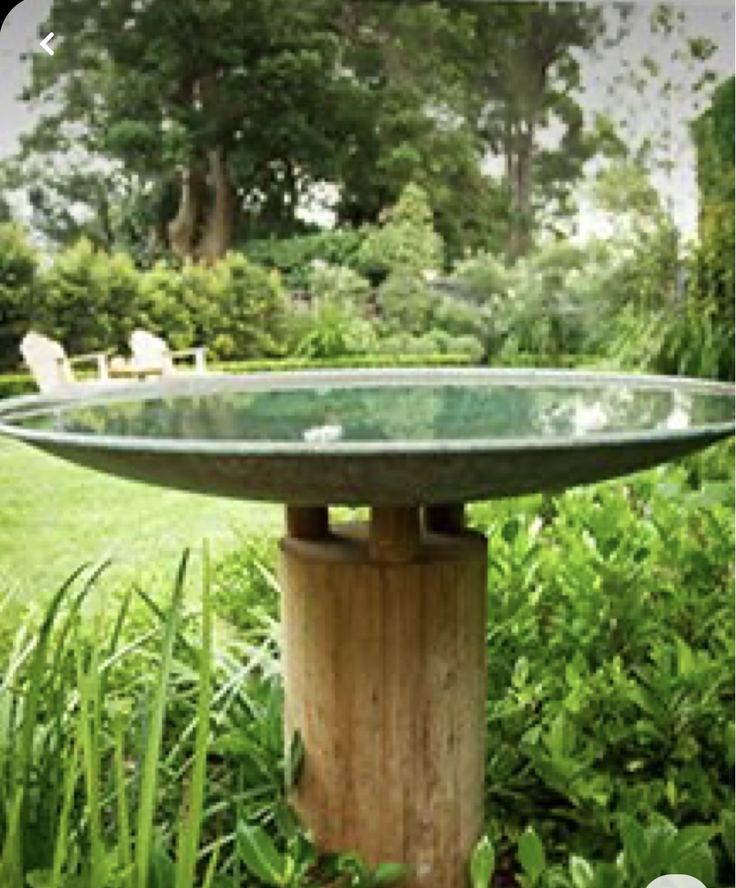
384, 622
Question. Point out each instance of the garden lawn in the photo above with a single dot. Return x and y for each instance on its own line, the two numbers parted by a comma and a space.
55, 516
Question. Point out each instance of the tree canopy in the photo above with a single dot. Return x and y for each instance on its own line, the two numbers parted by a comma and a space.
213, 122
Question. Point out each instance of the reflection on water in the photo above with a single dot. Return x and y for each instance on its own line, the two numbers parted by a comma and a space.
395, 413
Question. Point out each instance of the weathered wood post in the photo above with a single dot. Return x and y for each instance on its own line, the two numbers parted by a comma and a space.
385, 673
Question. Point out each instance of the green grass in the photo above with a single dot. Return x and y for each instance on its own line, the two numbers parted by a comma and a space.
55, 516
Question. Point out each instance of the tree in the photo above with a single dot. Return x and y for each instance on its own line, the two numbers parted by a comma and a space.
215, 103
714, 280
222, 116
412, 121
528, 75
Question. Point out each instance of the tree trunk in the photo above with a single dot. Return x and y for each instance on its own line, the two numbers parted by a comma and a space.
219, 226
522, 181
183, 227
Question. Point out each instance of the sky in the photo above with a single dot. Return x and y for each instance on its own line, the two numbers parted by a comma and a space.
710, 18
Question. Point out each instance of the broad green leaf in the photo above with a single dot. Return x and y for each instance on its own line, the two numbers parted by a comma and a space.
581, 872
728, 834
260, 855
634, 841
389, 873
531, 854
482, 863
691, 837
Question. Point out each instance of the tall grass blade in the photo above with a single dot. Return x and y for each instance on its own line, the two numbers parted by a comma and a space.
149, 778
61, 845
89, 720
11, 859
125, 855
211, 871
191, 822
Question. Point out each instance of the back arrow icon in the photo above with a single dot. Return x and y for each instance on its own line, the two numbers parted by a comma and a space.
45, 43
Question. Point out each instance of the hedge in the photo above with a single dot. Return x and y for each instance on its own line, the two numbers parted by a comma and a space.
356, 361
20, 383
12, 384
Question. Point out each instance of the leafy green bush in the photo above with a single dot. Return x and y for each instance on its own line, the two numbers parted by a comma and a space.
561, 298
611, 662
331, 329
553, 302
247, 318
482, 279
87, 299
433, 344
565, 299
12, 384
401, 358
406, 303
338, 283
713, 261
406, 240
647, 851
687, 338
294, 257
18, 268
234, 307
176, 302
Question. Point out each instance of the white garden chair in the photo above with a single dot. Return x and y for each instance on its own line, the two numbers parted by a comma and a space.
50, 366
151, 355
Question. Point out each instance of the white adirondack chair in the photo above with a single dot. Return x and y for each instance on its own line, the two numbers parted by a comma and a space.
151, 354
52, 368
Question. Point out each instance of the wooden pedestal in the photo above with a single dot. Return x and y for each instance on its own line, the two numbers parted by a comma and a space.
385, 674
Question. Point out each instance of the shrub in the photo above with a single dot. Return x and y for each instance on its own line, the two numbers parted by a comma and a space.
88, 298
336, 283
433, 347
458, 318
688, 338
175, 303
330, 329
482, 279
713, 260
611, 663
294, 257
12, 384
247, 317
406, 241
399, 357
406, 303
18, 268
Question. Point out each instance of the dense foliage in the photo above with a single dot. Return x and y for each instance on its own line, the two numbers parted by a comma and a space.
714, 260
191, 153
610, 708
18, 265
92, 301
